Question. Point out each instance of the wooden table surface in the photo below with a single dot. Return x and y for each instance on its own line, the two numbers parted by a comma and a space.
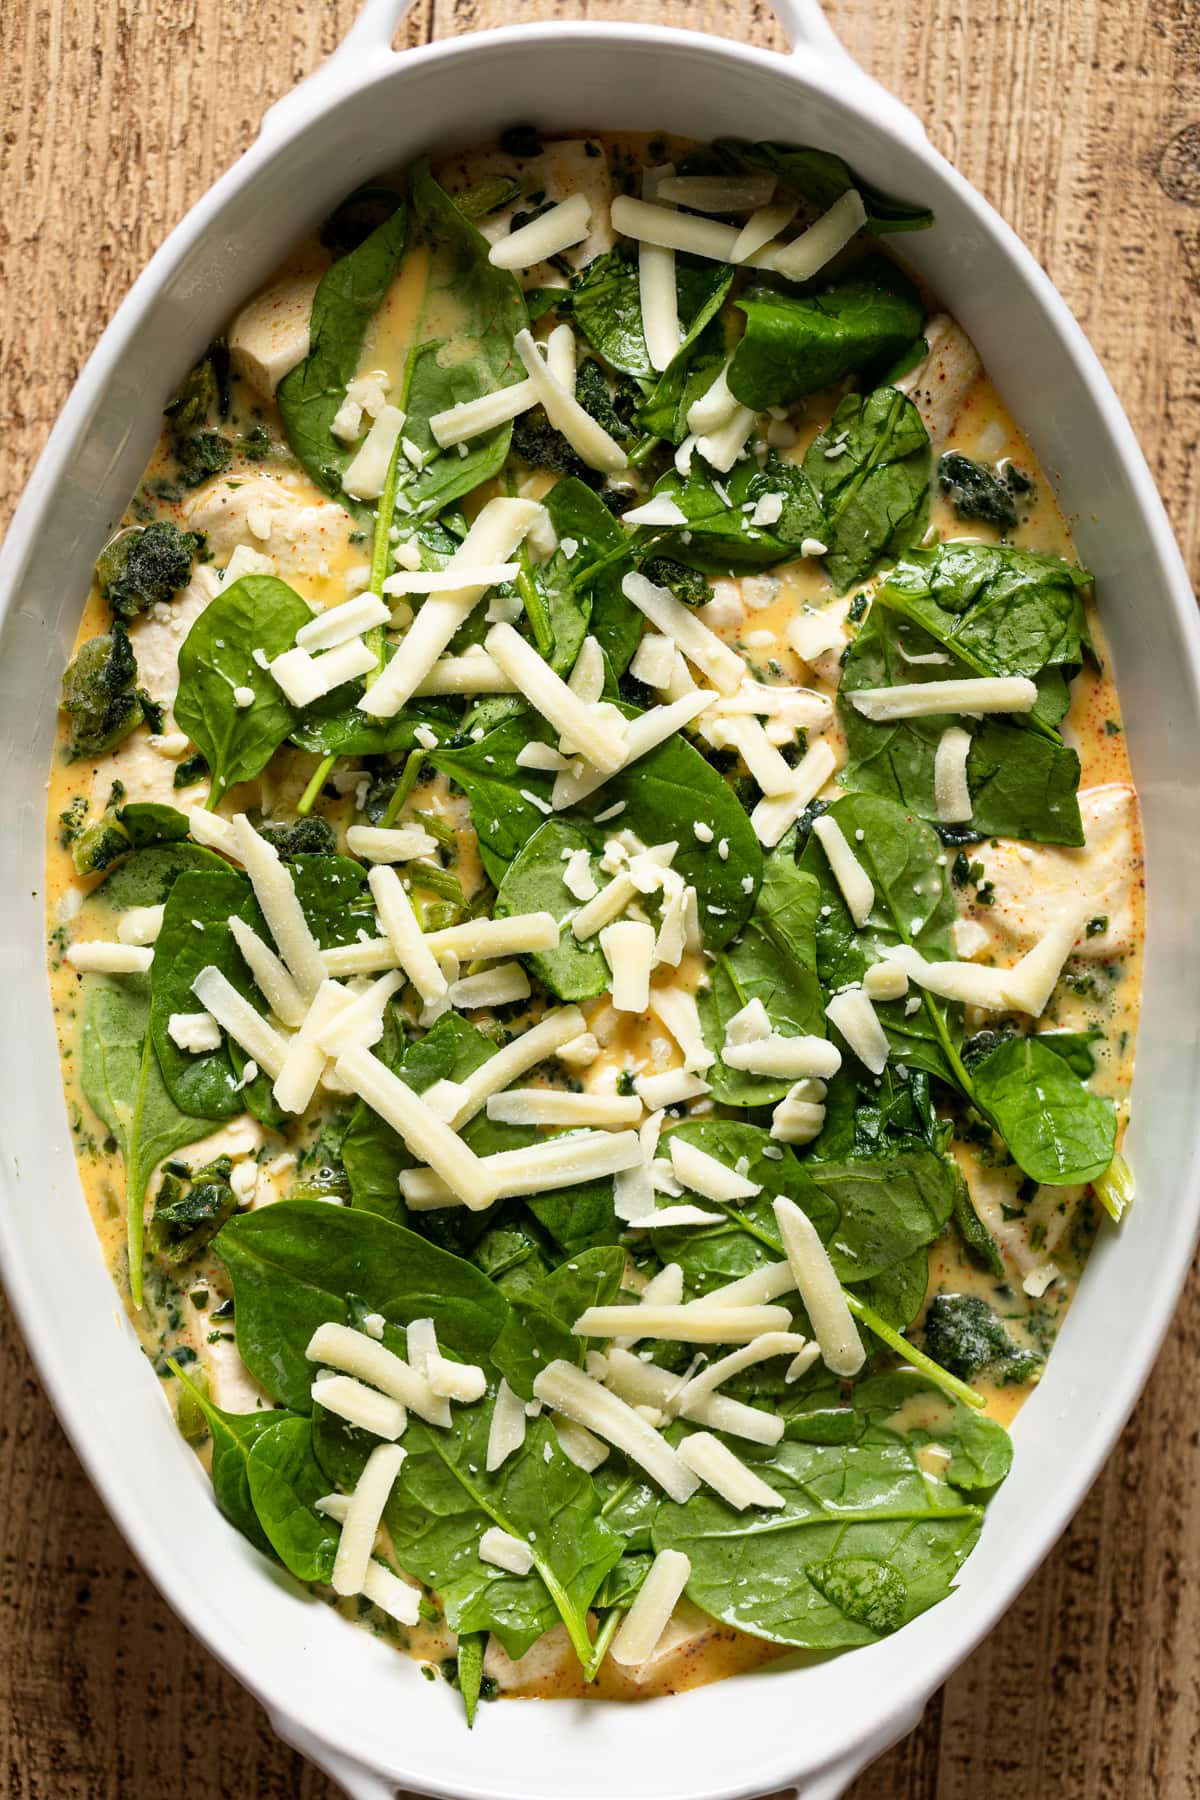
1080, 120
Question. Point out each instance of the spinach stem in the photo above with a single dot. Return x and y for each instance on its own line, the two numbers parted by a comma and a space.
404, 786
917, 1359
320, 776
601, 1643
535, 608
643, 447
381, 546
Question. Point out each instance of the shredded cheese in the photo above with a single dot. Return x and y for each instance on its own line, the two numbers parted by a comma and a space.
951, 793
588, 439
820, 1290
597, 734
404, 933
429, 1138
363, 1516
271, 977
559, 1106
362, 1406
567, 1390
926, 699
717, 1466
858, 890
364, 1357
506, 1432
791, 1058
723, 666
338, 624
775, 814
235, 1015
628, 948
703, 1174
656, 284
275, 892
555, 231
504, 1551
855, 1017
648, 1617
684, 1324
552, 1031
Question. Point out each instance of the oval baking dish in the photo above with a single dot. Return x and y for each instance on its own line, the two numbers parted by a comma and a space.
342, 1697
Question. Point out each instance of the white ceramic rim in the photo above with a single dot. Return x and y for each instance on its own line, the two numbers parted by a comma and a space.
364, 61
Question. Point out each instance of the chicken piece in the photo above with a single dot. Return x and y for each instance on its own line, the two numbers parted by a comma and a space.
561, 169
304, 534
819, 638
230, 1383
270, 334
1035, 884
938, 387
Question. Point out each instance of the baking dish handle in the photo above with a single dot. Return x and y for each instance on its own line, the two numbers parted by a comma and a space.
368, 41
811, 35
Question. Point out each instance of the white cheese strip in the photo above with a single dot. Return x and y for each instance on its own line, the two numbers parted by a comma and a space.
886, 981
420, 1341
588, 439
858, 890
360, 1020
561, 361
715, 407
366, 475
491, 987
672, 230
473, 673
717, 193
723, 447
504, 1551
759, 1288
628, 948
271, 977
775, 814
471, 418
671, 1088
194, 1032
746, 736
429, 1138
676, 1009
559, 1106
306, 678
653, 660
495, 533
553, 1030
665, 1288
577, 876
703, 1174
598, 736
657, 293
449, 579
644, 1384
370, 1496
820, 1290
799, 1116
365, 956
685, 1324
723, 666
514, 936
648, 1617
235, 1015
567, 1390
506, 1432
799, 706
706, 1382
140, 925
556, 230
668, 1218
404, 933
952, 795
924, 699
297, 1080
97, 958
538, 1169
338, 624
586, 680
580, 1052
360, 1405
399, 1599
806, 255
659, 510
450, 1380
389, 844
763, 227
604, 906
542, 756
855, 1017
1030, 983
214, 832
717, 1466
275, 892
749, 1024
642, 735
791, 1058
354, 1353
579, 1445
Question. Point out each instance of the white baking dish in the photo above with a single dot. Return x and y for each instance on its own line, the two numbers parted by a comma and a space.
357, 1709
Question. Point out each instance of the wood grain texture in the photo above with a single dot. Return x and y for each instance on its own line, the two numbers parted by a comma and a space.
1081, 122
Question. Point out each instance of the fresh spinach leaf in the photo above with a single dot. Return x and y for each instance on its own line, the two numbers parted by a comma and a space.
533, 882
148, 822
504, 815
775, 961
889, 1205
607, 307
1057, 1129
1023, 781
294, 1266
233, 1436
147, 877
122, 1082
869, 468
286, 1481
259, 612
540, 1329
720, 536
823, 177
309, 396
699, 359
796, 344
614, 621
468, 1665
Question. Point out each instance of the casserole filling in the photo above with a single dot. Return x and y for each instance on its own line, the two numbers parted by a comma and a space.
595, 913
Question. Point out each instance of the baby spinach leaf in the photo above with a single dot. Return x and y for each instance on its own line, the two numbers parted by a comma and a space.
534, 883
1058, 1130
577, 514
862, 1544
468, 1665
980, 1449
822, 177
296, 1264
150, 822
445, 1499
1023, 781
701, 354
869, 468
309, 396
720, 535
540, 1328
796, 344
233, 1437
914, 904
775, 961
285, 1482
579, 1218
499, 789
123, 1084
889, 1205
147, 877
606, 304
259, 612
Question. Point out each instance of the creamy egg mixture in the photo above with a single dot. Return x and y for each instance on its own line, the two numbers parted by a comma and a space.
263, 515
